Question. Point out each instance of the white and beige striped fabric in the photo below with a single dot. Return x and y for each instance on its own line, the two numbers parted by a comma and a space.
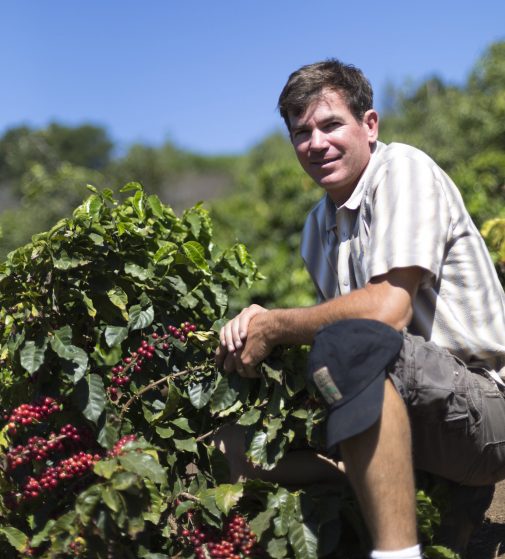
406, 211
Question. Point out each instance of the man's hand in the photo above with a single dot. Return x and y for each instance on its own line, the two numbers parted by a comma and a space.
244, 342
250, 337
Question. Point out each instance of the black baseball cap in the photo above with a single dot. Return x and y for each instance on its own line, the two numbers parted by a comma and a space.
347, 363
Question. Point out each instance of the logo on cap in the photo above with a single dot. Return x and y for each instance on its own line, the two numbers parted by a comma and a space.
327, 387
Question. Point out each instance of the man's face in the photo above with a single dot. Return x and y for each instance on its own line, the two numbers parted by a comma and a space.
331, 145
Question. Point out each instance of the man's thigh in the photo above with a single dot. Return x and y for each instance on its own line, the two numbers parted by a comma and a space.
457, 415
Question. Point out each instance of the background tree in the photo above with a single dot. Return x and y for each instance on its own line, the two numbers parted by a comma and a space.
460, 126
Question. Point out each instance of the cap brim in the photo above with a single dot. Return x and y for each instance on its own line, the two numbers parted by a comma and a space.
356, 415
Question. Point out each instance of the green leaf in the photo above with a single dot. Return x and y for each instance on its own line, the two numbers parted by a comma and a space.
242, 253
439, 552
250, 417
276, 403
261, 523
200, 394
144, 465
124, 481
114, 335
131, 186
164, 432
196, 254
138, 203
183, 508
208, 502
97, 239
89, 304
232, 409
177, 283
90, 209
64, 524
155, 205
287, 508
32, 354
277, 548
195, 222
19, 540
66, 262
118, 297
158, 502
302, 540
140, 318
107, 431
182, 423
225, 394
257, 450
87, 501
61, 343
105, 468
189, 301
165, 252
187, 445
273, 426
136, 525
112, 499
171, 403
136, 271
220, 296
96, 399
228, 495
219, 465
272, 373
300, 414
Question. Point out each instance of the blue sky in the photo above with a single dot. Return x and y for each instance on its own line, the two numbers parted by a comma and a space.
206, 74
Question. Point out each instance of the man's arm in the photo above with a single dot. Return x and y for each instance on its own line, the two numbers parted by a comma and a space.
250, 337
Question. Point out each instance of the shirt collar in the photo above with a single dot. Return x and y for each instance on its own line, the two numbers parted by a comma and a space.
354, 200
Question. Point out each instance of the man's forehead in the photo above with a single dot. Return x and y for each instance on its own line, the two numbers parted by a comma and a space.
327, 102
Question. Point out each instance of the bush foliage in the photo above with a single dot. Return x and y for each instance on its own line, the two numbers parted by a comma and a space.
112, 398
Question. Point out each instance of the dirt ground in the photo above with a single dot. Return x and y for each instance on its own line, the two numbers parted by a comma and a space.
489, 541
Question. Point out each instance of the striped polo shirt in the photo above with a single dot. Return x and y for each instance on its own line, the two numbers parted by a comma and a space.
405, 211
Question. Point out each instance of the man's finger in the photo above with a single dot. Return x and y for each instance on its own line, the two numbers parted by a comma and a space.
228, 336
235, 332
250, 371
232, 363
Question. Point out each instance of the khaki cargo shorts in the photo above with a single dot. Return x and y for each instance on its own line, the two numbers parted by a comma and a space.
457, 414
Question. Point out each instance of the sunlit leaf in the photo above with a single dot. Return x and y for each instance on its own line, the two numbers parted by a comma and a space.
32, 354
19, 540
143, 465
131, 186
196, 254
114, 335
140, 318
228, 495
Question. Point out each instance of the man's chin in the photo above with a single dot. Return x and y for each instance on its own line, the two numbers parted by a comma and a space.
328, 183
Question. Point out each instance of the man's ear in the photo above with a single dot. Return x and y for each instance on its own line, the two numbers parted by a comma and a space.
371, 123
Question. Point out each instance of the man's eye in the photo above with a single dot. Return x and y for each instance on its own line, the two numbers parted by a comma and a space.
332, 125
299, 134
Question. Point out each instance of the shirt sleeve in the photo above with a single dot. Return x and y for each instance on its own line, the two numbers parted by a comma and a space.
410, 219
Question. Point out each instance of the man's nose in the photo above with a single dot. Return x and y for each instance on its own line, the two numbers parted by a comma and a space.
318, 140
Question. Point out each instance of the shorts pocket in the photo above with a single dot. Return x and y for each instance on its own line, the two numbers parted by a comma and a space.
441, 390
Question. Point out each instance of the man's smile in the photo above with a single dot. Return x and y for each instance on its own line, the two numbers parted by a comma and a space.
323, 162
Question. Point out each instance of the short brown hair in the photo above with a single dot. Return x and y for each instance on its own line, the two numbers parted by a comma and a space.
306, 84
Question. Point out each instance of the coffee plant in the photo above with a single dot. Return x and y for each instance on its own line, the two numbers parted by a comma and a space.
111, 399
493, 232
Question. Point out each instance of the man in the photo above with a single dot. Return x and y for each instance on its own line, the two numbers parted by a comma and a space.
391, 243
